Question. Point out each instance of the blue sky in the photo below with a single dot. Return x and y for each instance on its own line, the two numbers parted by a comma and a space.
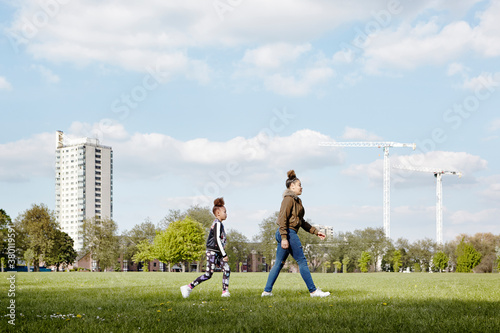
221, 98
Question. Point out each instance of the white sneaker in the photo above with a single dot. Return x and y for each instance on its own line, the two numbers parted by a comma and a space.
319, 293
265, 293
225, 294
185, 291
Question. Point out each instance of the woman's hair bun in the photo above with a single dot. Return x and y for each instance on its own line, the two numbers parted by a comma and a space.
291, 174
219, 202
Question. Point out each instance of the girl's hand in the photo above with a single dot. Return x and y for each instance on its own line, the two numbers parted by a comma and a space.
225, 259
284, 243
321, 235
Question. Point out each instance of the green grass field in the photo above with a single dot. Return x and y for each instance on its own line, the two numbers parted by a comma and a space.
151, 302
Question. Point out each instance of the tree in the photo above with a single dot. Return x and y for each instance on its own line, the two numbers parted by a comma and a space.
144, 254
62, 251
172, 216
5, 221
497, 251
314, 250
337, 265
29, 255
364, 260
403, 245
182, 241
202, 215
485, 244
372, 240
440, 260
36, 227
396, 260
236, 248
467, 257
140, 232
345, 263
100, 239
421, 252
267, 237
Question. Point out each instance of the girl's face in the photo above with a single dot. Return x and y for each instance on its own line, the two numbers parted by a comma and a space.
296, 187
221, 214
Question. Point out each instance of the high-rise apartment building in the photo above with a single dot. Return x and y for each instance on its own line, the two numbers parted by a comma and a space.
326, 229
84, 184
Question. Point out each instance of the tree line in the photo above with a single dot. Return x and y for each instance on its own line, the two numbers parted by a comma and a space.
179, 238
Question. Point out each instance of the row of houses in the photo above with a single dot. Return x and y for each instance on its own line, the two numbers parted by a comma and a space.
253, 263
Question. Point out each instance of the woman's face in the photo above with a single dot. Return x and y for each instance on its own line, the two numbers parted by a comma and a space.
296, 187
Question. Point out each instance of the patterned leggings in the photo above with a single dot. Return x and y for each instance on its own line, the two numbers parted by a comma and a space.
214, 259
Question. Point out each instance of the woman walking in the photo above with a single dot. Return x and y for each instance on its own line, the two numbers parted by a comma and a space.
290, 220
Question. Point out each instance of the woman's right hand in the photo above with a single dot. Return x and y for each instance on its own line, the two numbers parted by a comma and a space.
284, 243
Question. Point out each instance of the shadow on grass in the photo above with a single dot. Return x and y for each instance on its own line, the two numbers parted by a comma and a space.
162, 309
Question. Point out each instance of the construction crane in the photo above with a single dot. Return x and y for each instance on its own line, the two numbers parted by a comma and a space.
387, 171
438, 173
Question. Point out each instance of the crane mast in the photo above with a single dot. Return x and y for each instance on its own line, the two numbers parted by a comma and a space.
438, 173
386, 172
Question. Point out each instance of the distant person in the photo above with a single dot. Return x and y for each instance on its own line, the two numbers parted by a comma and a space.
216, 254
290, 220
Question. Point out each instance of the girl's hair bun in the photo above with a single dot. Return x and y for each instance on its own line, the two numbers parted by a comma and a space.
219, 202
291, 174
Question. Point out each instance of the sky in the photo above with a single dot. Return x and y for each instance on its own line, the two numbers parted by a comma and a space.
201, 99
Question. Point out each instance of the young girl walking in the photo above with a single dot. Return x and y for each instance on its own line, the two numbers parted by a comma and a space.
216, 254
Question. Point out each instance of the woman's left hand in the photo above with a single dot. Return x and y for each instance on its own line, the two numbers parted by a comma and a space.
321, 235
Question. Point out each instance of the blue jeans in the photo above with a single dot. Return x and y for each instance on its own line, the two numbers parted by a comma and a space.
295, 249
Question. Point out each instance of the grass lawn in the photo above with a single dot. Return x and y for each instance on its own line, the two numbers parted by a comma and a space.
152, 302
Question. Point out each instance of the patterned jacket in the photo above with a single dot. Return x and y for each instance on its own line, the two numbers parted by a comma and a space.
216, 240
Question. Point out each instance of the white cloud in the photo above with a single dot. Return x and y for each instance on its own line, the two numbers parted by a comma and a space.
462, 162
487, 216
274, 55
299, 77
344, 56
408, 47
489, 81
456, 68
104, 130
494, 125
28, 158
4, 84
154, 155
133, 35
298, 85
492, 188
359, 134
46, 73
